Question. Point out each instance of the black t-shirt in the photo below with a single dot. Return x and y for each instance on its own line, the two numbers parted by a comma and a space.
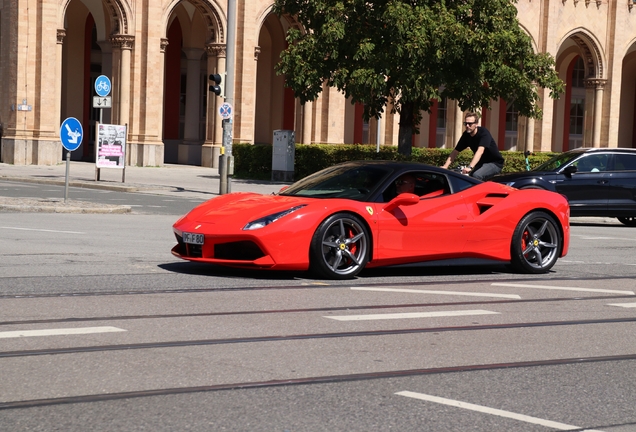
482, 138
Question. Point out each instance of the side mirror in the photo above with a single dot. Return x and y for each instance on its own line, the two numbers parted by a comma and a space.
405, 199
569, 170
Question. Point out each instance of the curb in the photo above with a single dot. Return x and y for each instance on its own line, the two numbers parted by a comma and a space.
74, 183
9, 208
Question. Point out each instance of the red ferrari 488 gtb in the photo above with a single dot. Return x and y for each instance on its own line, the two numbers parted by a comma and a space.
365, 214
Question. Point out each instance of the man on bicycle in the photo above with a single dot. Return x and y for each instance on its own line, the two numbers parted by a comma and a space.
487, 161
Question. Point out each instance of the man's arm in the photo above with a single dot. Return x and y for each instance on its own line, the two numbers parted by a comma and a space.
476, 157
451, 157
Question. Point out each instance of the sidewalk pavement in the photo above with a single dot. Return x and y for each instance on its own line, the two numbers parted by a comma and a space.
177, 180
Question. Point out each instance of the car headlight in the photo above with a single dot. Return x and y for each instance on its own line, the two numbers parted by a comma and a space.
264, 221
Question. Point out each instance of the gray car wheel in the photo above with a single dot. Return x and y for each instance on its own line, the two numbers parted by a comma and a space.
536, 243
340, 247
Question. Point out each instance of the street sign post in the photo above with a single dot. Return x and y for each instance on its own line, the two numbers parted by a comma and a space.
101, 101
71, 134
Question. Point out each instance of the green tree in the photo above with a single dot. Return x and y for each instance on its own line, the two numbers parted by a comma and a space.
406, 53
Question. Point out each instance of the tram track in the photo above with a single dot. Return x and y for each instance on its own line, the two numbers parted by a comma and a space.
284, 338
309, 310
308, 284
306, 381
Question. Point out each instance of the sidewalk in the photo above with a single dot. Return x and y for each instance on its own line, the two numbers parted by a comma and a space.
182, 180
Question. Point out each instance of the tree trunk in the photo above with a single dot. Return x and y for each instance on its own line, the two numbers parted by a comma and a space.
405, 135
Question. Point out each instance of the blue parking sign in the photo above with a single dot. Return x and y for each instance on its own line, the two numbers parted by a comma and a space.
71, 133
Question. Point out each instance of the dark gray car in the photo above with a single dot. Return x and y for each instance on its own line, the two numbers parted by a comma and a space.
596, 181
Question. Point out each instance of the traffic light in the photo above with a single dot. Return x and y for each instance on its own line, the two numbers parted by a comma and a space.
217, 84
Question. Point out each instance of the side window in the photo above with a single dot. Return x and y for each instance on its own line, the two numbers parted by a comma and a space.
592, 163
624, 162
421, 183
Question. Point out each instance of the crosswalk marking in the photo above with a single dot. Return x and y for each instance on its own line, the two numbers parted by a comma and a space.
58, 332
409, 315
548, 287
456, 293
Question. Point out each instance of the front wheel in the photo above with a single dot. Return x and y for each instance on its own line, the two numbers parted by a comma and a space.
536, 243
629, 221
340, 247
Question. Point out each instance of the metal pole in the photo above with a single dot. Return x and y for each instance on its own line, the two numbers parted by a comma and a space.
68, 164
225, 159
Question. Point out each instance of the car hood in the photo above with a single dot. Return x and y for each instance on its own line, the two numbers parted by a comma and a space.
243, 206
507, 178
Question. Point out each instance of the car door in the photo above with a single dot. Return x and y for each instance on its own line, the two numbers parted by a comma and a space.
586, 189
622, 185
435, 227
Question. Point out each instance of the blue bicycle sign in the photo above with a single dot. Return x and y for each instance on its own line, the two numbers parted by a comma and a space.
102, 86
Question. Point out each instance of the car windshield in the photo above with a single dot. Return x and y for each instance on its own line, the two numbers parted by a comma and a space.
557, 162
341, 181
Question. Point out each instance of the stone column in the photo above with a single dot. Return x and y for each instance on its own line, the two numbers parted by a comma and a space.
214, 132
458, 129
191, 136
124, 43
529, 134
597, 85
308, 114
107, 68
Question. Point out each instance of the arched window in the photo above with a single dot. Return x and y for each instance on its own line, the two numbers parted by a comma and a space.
512, 126
577, 105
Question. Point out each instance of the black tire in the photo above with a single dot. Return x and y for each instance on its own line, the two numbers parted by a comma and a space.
628, 221
340, 247
536, 244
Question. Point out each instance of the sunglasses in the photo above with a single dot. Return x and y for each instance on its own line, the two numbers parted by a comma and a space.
469, 123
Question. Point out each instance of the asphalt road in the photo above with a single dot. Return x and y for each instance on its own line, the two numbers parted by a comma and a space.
102, 329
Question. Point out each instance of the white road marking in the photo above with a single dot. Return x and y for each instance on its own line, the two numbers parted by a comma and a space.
625, 305
563, 288
492, 411
42, 230
457, 293
410, 315
59, 332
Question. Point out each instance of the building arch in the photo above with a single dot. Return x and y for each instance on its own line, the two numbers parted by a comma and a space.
627, 102
192, 52
111, 16
589, 46
215, 22
275, 106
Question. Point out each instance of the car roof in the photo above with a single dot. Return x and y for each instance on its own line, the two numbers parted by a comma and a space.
394, 165
603, 149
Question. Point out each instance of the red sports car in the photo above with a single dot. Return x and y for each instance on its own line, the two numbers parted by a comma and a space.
365, 214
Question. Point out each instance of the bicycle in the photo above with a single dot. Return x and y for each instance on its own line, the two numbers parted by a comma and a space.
526, 154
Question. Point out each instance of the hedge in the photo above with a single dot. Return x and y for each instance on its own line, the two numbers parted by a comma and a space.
255, 161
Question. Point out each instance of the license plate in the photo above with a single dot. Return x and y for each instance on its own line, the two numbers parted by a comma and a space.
193, 238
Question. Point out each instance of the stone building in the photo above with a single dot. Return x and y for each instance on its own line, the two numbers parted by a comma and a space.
158, 55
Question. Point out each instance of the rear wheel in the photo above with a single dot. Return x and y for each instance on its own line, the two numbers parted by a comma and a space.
629, 221
340, 247
536, 243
